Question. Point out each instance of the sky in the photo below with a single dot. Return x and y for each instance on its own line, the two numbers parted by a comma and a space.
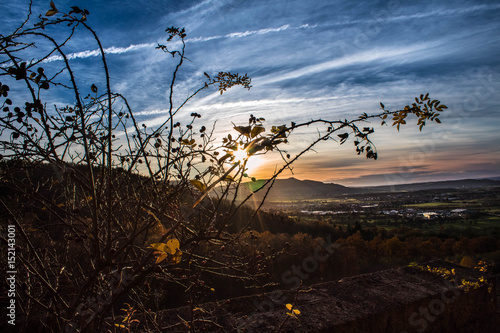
307, 60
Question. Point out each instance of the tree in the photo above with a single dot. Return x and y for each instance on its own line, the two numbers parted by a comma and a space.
106, 210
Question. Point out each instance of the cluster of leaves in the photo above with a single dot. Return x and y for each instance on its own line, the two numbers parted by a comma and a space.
291, 311
424, 108
451, 275
170, 250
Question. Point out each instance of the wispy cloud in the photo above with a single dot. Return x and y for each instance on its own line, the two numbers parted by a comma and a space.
372, 55
251, 32
386, 17
95, 53
260, 103
136, 47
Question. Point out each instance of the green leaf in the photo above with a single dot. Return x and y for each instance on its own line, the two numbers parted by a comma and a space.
199, 185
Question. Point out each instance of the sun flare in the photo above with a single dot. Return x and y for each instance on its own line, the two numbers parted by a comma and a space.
240, 155
252, 163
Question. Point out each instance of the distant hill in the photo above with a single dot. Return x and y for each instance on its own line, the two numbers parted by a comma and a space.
451, 184
294, 189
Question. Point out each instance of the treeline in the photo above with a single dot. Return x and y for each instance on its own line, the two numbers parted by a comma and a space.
286, 260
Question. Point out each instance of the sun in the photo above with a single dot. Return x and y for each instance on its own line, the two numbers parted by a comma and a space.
252, 162
240, 155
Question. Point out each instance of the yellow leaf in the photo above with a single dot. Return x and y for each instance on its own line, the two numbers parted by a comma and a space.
120, 325
169, 250
161, 256
173, 245
199, 185
159, 246
295, 311
289, 306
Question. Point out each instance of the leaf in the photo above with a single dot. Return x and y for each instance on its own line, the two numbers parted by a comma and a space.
51, 12
296, 311
161, 256
93, 88
173, 246
199, 185
169, 250
159, 246
289, 306
256, 131
188, 142
382, 105
245, 130
53, 6
229, 178
343, 137
438, 121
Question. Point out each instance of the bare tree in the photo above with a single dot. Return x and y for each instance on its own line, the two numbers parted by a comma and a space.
106, 210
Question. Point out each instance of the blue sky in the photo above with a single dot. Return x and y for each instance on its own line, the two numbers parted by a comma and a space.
328, 59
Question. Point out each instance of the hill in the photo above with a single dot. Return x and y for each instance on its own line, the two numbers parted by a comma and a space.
295, 189
448, 184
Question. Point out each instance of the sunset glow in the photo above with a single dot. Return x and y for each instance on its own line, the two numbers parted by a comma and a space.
334, 60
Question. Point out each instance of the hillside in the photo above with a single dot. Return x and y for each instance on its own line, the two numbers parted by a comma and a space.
294, 189
449, 184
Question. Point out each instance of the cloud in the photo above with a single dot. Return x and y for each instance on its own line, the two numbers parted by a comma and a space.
136, 47
95, 53
384, 16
